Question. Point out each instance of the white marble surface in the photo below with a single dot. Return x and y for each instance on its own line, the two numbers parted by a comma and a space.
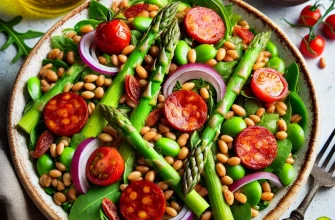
324, 81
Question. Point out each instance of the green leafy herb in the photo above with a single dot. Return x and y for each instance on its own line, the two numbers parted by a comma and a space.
263, 205
270, 122
94, 23
56, 63
88, 206
177, 87
135, 37
210, 103
36, 133
64, 44
251, 106
292, 77
129, 166
49, 190
241, 211
98, 11
284, 150
225, 69
77, 139
17, 38
102, 215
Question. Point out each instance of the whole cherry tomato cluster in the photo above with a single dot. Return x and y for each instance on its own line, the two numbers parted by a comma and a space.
312, 45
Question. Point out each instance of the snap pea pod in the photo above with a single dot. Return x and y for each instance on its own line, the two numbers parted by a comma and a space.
298, 107
96, 122
197, 160
33, 116
193, 200
34, 88
292, 77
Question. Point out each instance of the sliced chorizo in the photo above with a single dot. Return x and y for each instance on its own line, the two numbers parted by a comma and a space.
256, 147
43, 144
65, 114
153, 117
134, 10
132, 88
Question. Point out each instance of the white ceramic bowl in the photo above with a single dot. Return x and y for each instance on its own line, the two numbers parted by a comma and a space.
19, 140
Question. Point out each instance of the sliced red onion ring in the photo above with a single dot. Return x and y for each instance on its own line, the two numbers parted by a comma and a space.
255, 176
78, 164
84, 51
93, 52
184, 214
195, 71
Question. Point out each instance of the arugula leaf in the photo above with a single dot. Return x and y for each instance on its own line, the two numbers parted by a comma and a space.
64, 44
98, 11
284, 150
263, 205
135, 37
225, 69
270, 122
177, 87
77, 139
17, 38
241, 211
88, 206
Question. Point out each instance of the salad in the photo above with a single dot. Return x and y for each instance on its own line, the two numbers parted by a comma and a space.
164, 110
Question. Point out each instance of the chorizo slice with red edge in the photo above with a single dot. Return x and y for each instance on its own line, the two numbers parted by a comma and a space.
204, 25
134, 10
43, 144
185, 110
256, 147
110, 209
132, 88
142, 200
153, 117
65, 114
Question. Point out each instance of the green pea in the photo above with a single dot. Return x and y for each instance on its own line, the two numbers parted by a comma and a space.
233, 126
66, 157
66, 206
296, 135
253, 192
160, 3
167, 147
235, 172
205, 52
34, 88
45, 163
271, 47
180, 53
278, 64
287, 174
182, 6
141, 23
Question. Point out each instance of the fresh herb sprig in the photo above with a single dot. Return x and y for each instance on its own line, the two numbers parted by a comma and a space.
17, 38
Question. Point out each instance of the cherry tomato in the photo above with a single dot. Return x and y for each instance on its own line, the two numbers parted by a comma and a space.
43, 144
185, 110
269, 85
65, 114
256, 147
329, 26
204, 25
309, 15
110, 209
112, 36
314, 48
105, 166
132, 88
134, 10
245, 34
142, 200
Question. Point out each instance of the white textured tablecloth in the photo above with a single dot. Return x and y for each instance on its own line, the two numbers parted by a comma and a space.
15, 203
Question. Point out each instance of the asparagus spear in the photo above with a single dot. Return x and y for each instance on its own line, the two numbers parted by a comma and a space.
164, 17
197, 160
33, 116
149, 97
193, 200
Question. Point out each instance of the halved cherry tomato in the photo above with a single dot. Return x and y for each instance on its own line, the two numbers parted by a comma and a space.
105, 166
329, 26
153, 117
142, 200
256, 147
314, 48
185, 110
112, 36
204, 25
245, 34
110, 209
269, 85
65, 114
134, 10
310, 15
43, 144
132, 88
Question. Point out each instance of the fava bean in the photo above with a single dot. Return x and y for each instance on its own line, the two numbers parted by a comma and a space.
296, 135
253, 191
233, 126
167, 147
287, 174
181, 52
141, 23
278, 64
160, 3
34, 88
205, 52
271, 47
45, 163
66, 157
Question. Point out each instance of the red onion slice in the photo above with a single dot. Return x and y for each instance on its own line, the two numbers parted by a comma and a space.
91, 60
78, 164
195, 71
255, 176
184, 214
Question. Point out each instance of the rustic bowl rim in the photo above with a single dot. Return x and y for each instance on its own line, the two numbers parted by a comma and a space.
283, 203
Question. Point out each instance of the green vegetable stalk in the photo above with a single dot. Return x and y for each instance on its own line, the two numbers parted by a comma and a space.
197, 160
33, 116
96, 121
149, 97
193, 200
